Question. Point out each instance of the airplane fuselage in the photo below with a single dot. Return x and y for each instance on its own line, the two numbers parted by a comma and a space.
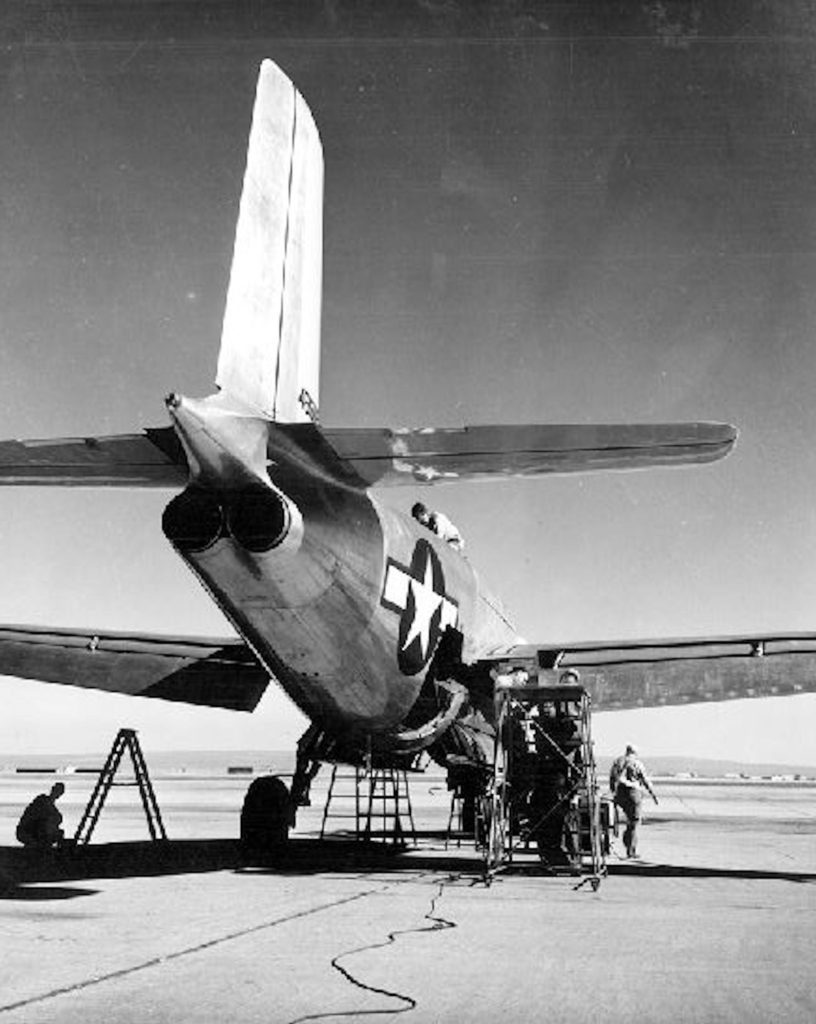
341, 598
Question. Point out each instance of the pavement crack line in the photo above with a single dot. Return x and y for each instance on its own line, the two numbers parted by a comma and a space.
158, 961
438, 923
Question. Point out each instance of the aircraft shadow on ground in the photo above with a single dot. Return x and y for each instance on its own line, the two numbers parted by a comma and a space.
19, 867
36, 894
298, 857
697, 871
118, 860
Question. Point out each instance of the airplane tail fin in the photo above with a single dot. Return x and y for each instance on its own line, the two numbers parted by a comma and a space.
270, 340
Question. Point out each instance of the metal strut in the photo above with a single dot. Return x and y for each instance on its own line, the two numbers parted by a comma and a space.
125, 740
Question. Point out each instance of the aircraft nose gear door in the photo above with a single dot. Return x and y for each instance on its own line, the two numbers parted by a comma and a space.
544, 792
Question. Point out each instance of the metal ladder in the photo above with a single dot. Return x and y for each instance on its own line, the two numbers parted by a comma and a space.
126, 739
381, 796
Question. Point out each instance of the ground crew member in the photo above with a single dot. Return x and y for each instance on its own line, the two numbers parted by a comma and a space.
627, 780
40, 826
438, 524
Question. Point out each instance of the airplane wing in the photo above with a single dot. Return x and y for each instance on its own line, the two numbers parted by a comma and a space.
656, 673
214, 673
429, 455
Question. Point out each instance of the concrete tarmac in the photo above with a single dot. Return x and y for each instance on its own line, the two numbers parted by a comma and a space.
716, 923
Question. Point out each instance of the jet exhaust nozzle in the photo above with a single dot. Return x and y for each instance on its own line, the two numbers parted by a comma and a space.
257, 518
194, 520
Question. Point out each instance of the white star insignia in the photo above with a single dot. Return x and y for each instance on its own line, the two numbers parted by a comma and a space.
426, 603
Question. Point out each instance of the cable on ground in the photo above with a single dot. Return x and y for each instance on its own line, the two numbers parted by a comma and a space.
409, 1003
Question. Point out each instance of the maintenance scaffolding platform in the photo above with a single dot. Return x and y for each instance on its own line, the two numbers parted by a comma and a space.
377, 801
544, 791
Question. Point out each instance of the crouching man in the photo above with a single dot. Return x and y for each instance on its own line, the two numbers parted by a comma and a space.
40, 826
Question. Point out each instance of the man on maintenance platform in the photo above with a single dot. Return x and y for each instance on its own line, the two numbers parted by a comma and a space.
628, 780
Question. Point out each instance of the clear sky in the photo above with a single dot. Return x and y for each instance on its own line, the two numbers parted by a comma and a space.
576, 216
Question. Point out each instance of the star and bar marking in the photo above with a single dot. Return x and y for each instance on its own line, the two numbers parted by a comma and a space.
418, 593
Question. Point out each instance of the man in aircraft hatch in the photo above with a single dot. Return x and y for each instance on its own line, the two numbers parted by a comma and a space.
439, 524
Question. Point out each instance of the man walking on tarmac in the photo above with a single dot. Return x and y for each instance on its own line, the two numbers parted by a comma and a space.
627, 780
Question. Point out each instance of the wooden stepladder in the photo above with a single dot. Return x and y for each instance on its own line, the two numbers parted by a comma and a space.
125, 740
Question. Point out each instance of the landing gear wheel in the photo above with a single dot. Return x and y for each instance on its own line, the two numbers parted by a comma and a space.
265, 819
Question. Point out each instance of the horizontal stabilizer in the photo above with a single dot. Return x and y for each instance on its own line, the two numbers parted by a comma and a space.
370, 456
429, 455
657, 673
152, 459
214, 673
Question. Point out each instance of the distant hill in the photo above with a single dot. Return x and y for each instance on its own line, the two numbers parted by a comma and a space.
710, 768
258, 762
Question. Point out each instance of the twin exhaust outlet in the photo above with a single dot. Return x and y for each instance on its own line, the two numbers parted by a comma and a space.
226, 449
257, 518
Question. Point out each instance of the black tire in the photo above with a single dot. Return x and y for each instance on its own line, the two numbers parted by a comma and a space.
265, 820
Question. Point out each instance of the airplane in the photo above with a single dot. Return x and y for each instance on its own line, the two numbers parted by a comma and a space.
381, 632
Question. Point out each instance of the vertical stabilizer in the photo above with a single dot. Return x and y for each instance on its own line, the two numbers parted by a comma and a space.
270, 341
